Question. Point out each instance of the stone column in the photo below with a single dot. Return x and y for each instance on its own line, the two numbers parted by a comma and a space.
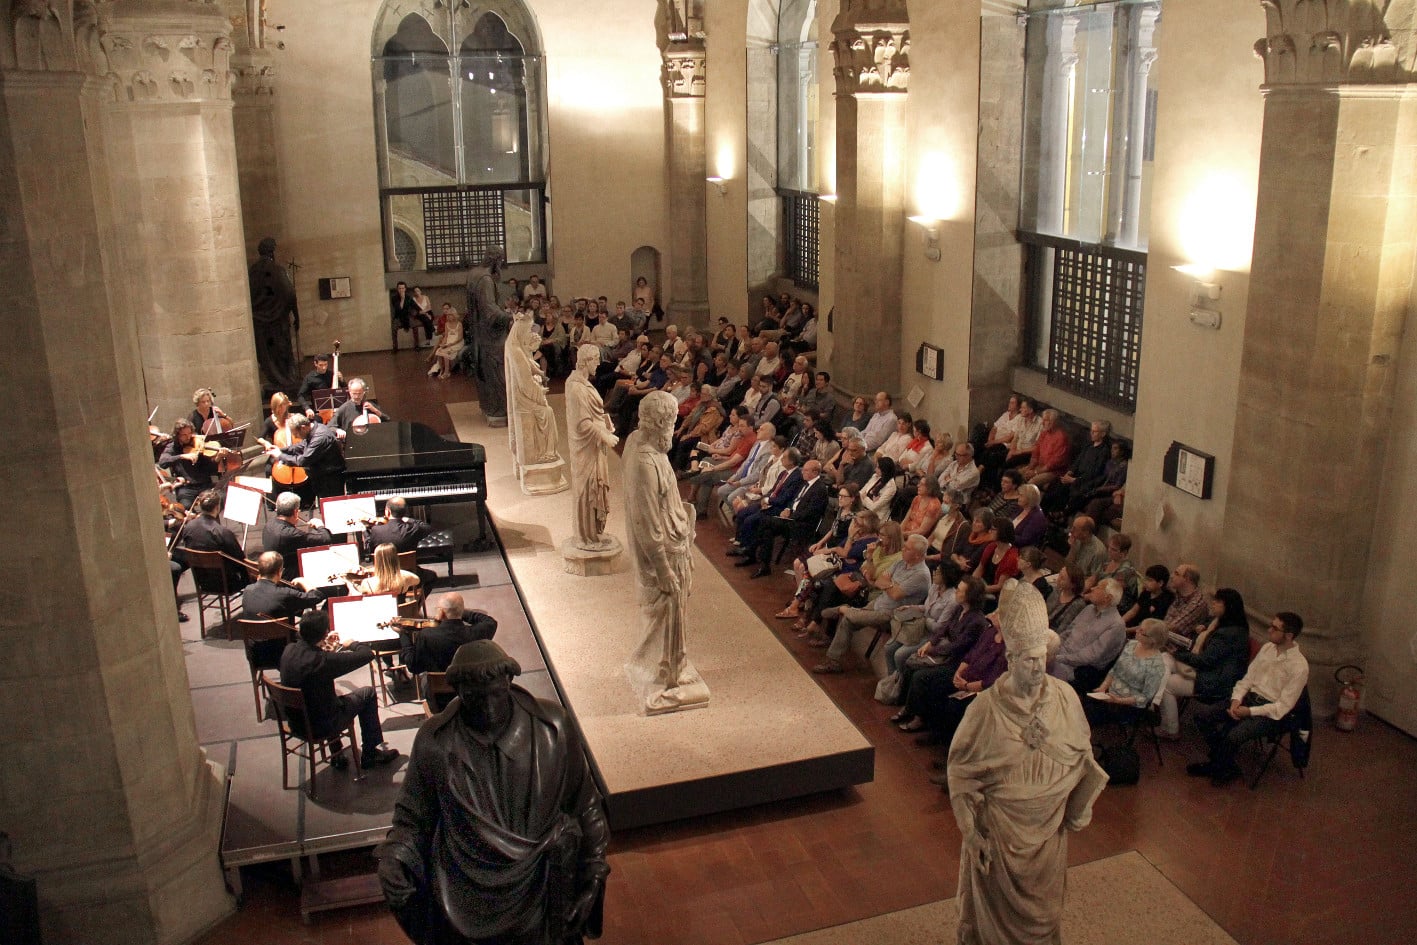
684, 86
175, 168
1124, 200
1335, 235
107, 798
872, 55
254, 129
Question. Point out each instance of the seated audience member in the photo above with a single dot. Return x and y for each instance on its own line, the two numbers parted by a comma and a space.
879, 491
857, 416
924, 512
305, 666
1005, 503
936, 660
908, 582
951, 533
1099, 501
911, 624
205, 532
798, 382
1209, 669
999, 561
878, 559
797, 520
918, 450
775, 492
1135, 678
1188, 607
932, 460
849, 554
1028, 426
1120, 567
1030, 571
388, 578
1154, 599
851, 464
996, 443
770, 365
806, 339
881, 423
767, 406
749, 474
431, 650
699, 426
286, 534
1030, 524
808, 437
1066, 600
1086, 552
733, 388
1052, 453
818, 400
1094, 640
1271, 687
725, 340
265, 598
960, 474
977, 539
899, 438
1088, 469
716, 466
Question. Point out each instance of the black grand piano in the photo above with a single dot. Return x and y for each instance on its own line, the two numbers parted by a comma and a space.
409, 459
398, 458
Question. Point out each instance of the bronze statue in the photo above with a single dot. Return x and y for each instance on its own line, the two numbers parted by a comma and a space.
273, 310
489, 324
499, 834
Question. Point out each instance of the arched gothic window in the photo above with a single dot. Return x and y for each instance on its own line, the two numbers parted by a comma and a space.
460, 121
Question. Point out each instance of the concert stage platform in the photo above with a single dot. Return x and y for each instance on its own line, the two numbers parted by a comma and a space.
769, 732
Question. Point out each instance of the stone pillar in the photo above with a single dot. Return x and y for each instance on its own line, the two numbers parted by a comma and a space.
1335, 236
684, 85
1124, 201
105, 793
872, 55
175, 168
253, 122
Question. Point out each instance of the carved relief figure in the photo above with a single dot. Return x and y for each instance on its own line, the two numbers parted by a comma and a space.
592, 436
660, 528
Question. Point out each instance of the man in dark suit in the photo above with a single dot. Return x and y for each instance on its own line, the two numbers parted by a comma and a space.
266, 597
322, 378
431, 650
205, 532
283, 536
317, 450
749, 517
798, 521
305, 666
404, 534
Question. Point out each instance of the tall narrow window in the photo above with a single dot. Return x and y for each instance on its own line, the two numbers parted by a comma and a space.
459, 113
797, 109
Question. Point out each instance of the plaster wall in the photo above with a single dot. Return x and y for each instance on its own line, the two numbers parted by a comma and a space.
942, 119
1204, 186
605, 109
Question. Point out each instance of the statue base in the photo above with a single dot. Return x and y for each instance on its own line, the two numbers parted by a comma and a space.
591, 562
679, 699
545, 478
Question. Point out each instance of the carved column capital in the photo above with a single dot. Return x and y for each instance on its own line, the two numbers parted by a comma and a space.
871, 57
167, 50
685, 74
1328, 42
253, 75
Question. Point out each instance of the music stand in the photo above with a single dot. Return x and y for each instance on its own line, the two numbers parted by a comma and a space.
329, 400
322, 564
357, 619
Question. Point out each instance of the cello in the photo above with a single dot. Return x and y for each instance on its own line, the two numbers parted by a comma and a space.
284, 473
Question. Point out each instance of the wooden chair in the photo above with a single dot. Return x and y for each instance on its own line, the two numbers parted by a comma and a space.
264, 630
1296, 727
213, 589
430, 687
408, 561
315, 748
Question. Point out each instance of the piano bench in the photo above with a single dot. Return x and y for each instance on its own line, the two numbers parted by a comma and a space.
437, 547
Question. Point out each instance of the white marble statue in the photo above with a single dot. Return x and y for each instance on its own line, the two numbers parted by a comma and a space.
1021, 775
592, 437
531, 429
660, 527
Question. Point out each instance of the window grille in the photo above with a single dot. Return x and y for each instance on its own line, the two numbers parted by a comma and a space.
1086, 300
801, 226
461, 227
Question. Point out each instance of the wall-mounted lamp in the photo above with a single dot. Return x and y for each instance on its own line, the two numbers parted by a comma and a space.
721, 184
931, 228
1205, 295
827, 198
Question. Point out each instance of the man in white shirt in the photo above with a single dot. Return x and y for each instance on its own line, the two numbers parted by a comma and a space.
882, 423
604, 333
960, 474
1268, 692
750, 472
770, 363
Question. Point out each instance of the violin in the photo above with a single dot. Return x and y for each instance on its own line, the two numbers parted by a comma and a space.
351, 576
409, 623
212, 449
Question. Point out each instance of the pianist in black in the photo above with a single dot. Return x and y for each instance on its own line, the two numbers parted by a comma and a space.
404, 534
205, 532
267, 597
317, 450
286, 535
431, 650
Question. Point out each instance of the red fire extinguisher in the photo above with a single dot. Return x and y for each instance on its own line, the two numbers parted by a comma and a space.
1350, 696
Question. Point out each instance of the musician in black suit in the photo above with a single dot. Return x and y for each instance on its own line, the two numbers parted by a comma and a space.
267, 597
316, 450
197, 473
798, 521
322, 378
431, 650
354, 408
404, 534
205, 532
284, 536
313, 671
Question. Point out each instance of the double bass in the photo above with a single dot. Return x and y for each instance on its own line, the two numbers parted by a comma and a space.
327, 413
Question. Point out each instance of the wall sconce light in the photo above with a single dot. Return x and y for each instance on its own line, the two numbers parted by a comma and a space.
721, 183
1204, 299
827, 198
931, 228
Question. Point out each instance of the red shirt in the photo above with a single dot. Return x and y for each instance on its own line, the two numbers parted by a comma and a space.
1053, 451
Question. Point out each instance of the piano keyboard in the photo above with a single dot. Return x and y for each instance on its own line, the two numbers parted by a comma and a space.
431, 492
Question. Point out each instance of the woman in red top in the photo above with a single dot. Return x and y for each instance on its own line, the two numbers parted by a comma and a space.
1000, 559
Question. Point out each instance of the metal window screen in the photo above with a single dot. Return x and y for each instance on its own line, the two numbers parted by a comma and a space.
801, 225
461, 227
1094, 346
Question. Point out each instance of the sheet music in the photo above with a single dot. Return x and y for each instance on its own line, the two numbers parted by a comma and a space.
317, 564
243, 504
342, 514
357, 619
260, 483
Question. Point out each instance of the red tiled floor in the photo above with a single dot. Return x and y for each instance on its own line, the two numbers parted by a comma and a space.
1326, 860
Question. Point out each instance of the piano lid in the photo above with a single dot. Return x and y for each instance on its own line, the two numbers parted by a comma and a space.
400, 445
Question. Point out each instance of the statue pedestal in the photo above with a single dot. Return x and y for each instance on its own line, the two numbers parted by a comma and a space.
679, 699
545, 478
591, 563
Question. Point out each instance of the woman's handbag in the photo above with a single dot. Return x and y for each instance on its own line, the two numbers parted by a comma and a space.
822, 565
888, 689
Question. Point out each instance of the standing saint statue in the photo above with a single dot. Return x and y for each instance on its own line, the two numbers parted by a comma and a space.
274, 312
534, 433
660, 528
592, 437
489, 324
1021, 775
